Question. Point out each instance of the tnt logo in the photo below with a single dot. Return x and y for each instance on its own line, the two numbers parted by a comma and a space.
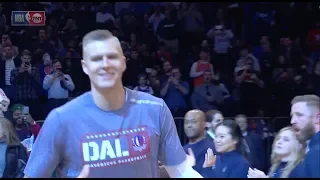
28, 18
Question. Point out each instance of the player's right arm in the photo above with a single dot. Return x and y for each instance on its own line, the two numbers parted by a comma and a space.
171, 153
47, 151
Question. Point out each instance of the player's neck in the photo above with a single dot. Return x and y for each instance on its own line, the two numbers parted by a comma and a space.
110, 99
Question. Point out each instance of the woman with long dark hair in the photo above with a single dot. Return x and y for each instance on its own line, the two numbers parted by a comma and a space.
231, 161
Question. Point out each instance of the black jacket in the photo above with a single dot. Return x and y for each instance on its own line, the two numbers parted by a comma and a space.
14, 152
257, 150
228, 165
17, 63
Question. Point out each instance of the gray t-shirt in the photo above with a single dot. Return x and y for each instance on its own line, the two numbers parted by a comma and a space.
123, 143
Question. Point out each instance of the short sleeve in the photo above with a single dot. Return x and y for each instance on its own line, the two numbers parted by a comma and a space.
46, 151
171, 152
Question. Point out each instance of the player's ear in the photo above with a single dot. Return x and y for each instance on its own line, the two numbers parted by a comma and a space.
124, 67
317, 119
84, 66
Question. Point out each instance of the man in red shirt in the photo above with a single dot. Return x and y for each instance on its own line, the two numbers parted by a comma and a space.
199, 67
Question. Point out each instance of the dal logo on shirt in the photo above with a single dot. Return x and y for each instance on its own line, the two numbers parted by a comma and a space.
111, 148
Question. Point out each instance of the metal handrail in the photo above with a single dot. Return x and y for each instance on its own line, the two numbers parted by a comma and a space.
182, 118
254, 117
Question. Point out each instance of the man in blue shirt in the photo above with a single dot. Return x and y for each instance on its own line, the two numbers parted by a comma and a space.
174, 90
110, 129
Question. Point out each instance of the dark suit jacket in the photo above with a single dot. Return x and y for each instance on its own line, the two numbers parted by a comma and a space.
257, 150
3, 70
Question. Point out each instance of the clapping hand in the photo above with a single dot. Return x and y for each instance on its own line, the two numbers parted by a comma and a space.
161, 166
190, 158
209, 159
255, 173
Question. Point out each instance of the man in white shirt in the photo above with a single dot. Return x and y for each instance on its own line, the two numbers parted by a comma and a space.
58, 86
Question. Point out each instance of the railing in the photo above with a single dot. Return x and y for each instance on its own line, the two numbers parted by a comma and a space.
272, 124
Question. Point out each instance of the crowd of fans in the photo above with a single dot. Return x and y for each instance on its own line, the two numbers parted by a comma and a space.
238, 58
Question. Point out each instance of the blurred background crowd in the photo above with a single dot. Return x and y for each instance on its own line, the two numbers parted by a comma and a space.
238, 58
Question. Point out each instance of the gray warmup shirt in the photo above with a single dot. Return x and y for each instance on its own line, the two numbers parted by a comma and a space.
123, 143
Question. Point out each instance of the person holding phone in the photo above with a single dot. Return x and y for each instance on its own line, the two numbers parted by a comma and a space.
58, 86
174, 91
26, 79
23, 122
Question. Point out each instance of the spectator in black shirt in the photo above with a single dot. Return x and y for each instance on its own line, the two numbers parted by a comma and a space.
195, 129
255, 146
315, 79
282, 78
166, 73
26, 79
168, 31
42, 44
251, 86
135, 66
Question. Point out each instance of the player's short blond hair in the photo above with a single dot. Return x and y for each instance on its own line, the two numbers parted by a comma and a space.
96, 35
310, 99
100, 35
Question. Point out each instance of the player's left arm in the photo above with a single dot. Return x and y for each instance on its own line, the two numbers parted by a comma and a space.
171, 153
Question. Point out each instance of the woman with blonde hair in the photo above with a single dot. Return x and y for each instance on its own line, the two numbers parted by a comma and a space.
286, 154
13, 154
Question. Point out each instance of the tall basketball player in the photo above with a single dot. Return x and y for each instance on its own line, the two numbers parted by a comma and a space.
115, 131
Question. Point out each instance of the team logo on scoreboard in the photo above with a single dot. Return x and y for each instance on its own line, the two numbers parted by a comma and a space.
28, 18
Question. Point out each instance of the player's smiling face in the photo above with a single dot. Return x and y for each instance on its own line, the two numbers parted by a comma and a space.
104, 63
